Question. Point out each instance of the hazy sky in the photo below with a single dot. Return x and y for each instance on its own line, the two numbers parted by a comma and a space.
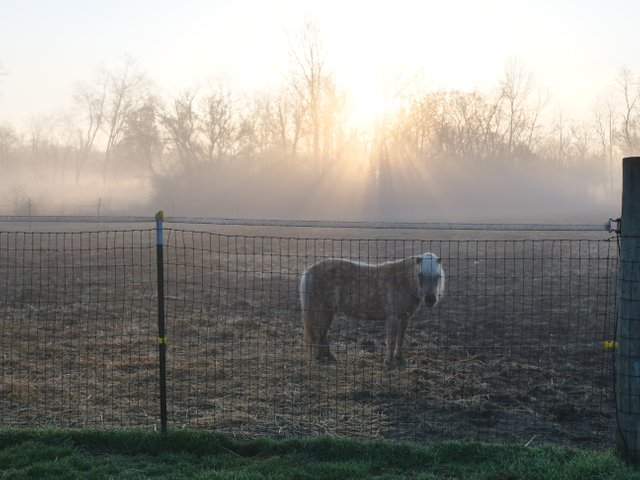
574, 48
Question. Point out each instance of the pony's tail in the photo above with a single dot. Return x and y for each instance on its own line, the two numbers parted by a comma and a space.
308, 334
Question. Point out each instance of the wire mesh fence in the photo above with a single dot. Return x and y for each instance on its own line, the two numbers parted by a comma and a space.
513, 352
76, 313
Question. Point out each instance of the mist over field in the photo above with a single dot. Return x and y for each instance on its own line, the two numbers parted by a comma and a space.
298, 150
424, 193
448, 191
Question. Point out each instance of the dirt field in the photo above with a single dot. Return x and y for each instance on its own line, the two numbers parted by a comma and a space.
513, 353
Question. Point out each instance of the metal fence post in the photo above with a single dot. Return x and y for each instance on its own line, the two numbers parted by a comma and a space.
162, 338
628, 329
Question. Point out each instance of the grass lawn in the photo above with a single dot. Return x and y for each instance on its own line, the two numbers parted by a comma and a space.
87, 454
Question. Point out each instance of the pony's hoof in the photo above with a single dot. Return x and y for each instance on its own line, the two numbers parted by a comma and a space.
394, 364
326, 359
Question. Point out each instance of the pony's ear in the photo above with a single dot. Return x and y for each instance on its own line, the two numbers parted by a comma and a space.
418, 260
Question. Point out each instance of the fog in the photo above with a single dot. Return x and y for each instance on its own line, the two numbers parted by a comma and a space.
424, 194
294, 151
356, 191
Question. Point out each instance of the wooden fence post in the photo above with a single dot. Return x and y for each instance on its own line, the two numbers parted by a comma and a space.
628, 330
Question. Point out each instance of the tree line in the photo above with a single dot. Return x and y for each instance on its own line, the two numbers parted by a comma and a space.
121, 126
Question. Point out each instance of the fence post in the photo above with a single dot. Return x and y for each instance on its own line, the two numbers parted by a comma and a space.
162, 338
628, 329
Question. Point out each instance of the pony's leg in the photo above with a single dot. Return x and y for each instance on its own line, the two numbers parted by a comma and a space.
316, 346
392, 334
308, 334
323, 354
402, 328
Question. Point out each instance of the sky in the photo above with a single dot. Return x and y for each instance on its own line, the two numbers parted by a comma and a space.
575, 49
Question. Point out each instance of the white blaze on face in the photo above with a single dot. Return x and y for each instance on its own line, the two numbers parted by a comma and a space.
431, 278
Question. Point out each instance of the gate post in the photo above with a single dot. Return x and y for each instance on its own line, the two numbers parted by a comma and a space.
628, 329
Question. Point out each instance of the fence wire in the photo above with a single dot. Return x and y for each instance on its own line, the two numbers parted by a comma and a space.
77, 329
514, 352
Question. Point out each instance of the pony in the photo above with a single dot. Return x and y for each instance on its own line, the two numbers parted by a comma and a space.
391, 292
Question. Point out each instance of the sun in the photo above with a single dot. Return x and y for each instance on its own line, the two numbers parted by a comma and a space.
375, 92
368, 103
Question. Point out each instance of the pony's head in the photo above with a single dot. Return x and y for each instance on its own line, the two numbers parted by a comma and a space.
430, 278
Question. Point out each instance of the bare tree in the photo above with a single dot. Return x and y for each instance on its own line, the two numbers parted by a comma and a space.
581, 141
289, 121
491, 118
89, 106
455, 125
218, 124
259, 124
559, 140
515, 90
629, 86
180, 121
277, 122
45, 152
141, 144
465, 116
8, 142
333, 121
309, 77
422, 127
127, 90
605, 126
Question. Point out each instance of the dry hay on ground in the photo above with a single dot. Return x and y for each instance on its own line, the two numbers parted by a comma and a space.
514, 351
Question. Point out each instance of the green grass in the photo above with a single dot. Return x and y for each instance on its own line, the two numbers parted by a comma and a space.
98, 454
